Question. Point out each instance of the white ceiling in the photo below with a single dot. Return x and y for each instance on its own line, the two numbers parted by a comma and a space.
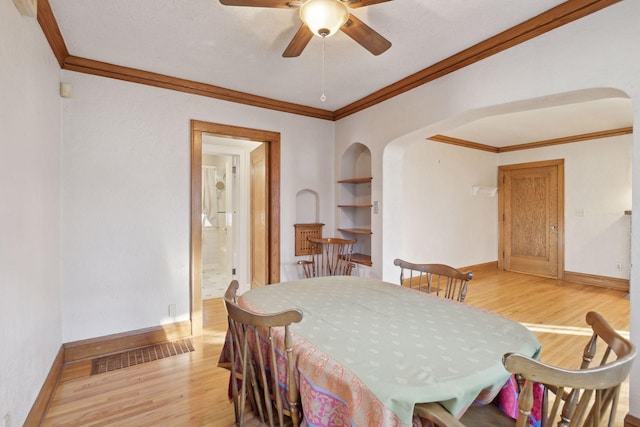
542, 124
240, 48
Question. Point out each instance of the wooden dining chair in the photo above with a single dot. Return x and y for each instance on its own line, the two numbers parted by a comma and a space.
332, 257
438, 279
571, 398
256, 371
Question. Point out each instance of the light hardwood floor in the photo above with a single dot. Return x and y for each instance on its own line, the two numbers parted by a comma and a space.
190, 390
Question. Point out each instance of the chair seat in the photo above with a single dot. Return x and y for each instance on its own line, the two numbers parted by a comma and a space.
486, 415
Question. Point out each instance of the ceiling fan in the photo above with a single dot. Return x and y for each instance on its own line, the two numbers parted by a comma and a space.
324, 18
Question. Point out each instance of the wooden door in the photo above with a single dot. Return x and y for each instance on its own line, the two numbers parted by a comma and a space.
531, 209
259, 219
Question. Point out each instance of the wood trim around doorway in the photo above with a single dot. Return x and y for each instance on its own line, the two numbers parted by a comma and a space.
272, 143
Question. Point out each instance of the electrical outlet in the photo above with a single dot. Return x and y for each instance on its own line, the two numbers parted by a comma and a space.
172, 310
619, 266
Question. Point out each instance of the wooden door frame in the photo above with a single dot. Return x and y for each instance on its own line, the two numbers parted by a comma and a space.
501, 169
272, 144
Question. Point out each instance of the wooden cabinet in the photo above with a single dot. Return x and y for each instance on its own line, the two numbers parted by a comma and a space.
355, 215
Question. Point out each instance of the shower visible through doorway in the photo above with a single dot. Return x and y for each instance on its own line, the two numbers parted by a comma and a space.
218, 252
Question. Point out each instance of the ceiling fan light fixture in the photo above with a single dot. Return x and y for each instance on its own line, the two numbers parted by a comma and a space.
324, 17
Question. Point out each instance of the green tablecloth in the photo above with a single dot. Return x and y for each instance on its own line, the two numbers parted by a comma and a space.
405, 346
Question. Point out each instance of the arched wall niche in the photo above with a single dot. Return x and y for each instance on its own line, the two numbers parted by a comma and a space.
354, 203
307, 207
356, 161
308, 223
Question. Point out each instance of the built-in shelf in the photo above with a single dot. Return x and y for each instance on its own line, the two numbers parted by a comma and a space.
354, 203
355, 180
358, 180
356, 206
361, 259
355, 230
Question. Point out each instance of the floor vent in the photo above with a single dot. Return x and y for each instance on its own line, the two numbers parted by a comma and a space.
140, 355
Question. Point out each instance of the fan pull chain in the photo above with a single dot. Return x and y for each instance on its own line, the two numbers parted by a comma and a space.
323, 97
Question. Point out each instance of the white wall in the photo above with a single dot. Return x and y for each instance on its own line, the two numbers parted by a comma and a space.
594, 52
442, 220
125, 197
29, 212
437, 203
598, 183
126, 192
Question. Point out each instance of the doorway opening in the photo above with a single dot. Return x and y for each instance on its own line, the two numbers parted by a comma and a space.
219, 222
237, 139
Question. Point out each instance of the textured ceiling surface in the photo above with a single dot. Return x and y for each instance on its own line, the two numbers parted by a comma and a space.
240, 48
542, 124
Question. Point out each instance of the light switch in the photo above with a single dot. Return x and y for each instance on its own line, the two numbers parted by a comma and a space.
65, 90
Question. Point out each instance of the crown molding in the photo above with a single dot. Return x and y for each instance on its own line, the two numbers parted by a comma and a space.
463, 143
52, 32
98, 68
537, 144
558, 16
569, 139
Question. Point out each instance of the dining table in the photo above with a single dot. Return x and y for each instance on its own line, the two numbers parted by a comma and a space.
366, 351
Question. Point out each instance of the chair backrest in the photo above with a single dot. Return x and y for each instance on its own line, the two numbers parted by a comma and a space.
439, 279
332, 257
257, 369
585, 396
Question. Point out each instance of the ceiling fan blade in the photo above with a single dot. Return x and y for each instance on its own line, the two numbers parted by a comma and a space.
362, 3
299, 42
365, 36
262, 3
